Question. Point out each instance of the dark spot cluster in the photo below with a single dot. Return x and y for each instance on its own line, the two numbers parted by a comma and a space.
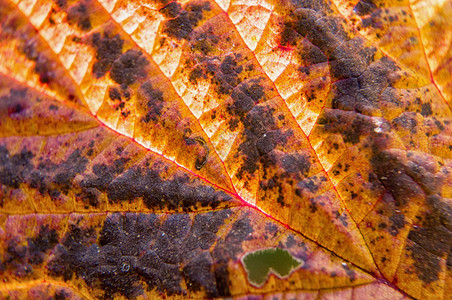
394, 177
14, 103
377, 16
159, 193
361, 91
359, 79
120, 97
228, 249
47, 177
258, 121
407, 121
204, 42
14, 168
60, 3
325, 32
352, 126
135, 252
171, 10
398, 222
310, 184
365, 7
244, 98
154, 102
64, 173
318, 6
432, 239
263, 146
224, 76
21, 258
43, 65
129, 67
93, 185
403, 180
79, 14
108, 49
350, 273
61, 294
292, 166
426, 109
183, 21
338, 168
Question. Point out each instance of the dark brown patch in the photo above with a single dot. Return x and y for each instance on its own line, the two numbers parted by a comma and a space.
186, 20
136, 248
66, 171
79, 14
108, 49
245, 97
407, 121
60, 3
398, 222
21, 258
43, 65
205, 42
103, 175
426, 109
365, 7
352, 126
171, 10
61, 295
14, 168
114, 94
394, 178
129, 67
432, 240
257, 122
155, 102
228, 249
312, 55
224, 77
161, 193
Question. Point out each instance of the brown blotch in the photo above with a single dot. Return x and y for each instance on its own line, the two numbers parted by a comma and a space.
432, 240
186, 20
79, 14
129, 67
108, 49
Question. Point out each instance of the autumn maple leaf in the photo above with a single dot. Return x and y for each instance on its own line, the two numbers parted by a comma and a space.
294, 149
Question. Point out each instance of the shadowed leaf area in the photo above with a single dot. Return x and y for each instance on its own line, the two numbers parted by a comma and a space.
225, 149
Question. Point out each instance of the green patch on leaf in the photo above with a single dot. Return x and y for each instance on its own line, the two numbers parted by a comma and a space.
261, 263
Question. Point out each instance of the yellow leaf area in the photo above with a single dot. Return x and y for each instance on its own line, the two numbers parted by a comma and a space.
147, 146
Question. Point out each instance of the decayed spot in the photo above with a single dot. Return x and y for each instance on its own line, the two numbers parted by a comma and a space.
79, 13
46, 177
184, 20
20, 257
179, 192
432, 240
155, 102
137, 251
108, 49
261, 263
129, 67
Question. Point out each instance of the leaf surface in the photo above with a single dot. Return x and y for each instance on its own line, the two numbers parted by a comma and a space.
148, 146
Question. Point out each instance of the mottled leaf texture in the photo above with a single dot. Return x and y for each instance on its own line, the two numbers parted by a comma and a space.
170, 149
